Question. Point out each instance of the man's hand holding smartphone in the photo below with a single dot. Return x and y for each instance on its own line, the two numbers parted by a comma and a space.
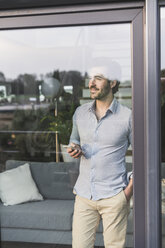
74, 150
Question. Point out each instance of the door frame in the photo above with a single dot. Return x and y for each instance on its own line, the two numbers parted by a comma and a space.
107, 14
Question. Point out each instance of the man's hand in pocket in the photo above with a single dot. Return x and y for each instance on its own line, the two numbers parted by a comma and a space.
128, 191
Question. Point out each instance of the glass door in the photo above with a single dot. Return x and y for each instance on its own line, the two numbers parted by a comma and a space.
44, 78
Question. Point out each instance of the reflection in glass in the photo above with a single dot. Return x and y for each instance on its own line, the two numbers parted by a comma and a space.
43, 79
28, 57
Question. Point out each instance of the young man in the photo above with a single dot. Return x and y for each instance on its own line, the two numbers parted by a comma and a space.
101, 135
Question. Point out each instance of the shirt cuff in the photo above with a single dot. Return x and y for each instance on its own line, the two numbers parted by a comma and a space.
74, 141
129, 176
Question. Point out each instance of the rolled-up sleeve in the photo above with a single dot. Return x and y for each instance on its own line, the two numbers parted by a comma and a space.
74, 138
130, 130
130, 174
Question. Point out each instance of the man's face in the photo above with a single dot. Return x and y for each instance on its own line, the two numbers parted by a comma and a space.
99, 87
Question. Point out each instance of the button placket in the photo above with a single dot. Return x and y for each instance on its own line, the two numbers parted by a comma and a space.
92, 171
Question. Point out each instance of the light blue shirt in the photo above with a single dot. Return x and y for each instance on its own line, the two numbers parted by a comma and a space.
104, 144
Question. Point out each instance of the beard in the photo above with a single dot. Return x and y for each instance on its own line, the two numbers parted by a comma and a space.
102, 93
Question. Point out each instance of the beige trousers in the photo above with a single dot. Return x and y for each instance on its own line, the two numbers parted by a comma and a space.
87, 213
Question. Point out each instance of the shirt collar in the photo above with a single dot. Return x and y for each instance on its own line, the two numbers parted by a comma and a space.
112, 107
92, 106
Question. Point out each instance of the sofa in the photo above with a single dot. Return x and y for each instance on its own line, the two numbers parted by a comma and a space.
49, 220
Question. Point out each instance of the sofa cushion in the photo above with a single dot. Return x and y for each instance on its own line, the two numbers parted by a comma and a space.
47, 214
53, 179
17, 186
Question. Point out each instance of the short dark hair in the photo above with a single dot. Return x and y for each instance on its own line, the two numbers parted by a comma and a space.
116, 88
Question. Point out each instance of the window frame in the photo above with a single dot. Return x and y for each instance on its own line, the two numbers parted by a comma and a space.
152, 125
107, 14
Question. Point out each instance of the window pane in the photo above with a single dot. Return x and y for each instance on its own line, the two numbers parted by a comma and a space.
44, 77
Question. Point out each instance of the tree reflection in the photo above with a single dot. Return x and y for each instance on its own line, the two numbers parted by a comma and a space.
30, 116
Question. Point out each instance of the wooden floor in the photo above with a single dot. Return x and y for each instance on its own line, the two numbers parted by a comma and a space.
32, 245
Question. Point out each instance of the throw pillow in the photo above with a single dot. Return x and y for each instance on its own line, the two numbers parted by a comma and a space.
17, 186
